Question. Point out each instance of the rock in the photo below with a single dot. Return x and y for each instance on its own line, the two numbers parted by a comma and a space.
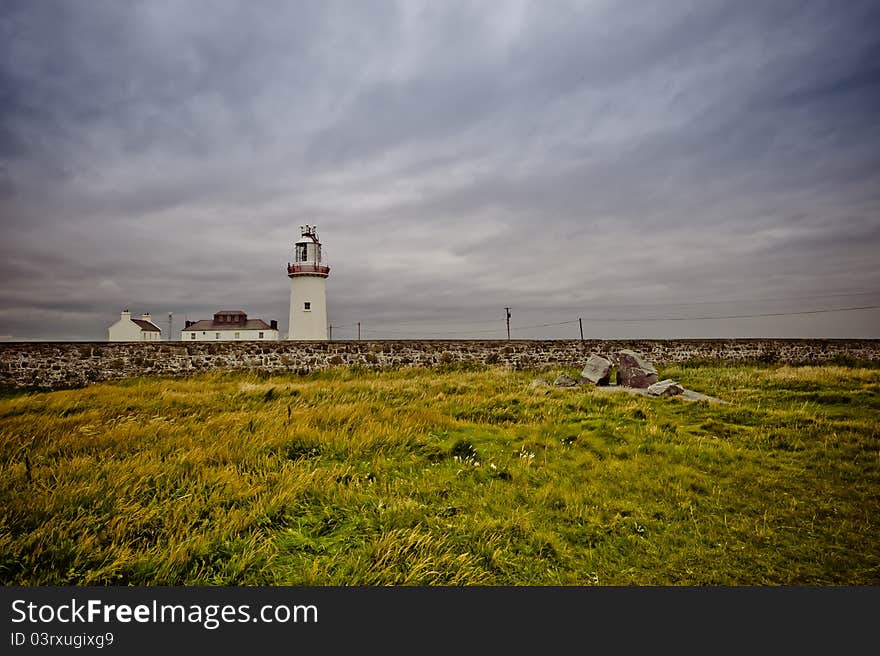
565, 381
687, 395
667, 387
540, 386
690, 395
633, 371
597, 370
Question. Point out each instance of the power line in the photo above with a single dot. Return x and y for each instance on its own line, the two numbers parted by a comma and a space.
544, 325
467, 332
443, 332
430, 321
380, 331
581, 308
741, 316
721, 302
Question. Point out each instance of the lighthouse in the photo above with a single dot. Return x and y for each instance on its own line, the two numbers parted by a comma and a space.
308, 288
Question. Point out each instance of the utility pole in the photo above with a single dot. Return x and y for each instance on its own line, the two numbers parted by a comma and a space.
331, 333
581, 324
359, 330
507, 309
170, 334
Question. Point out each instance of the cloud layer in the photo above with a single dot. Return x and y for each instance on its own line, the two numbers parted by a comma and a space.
626, 164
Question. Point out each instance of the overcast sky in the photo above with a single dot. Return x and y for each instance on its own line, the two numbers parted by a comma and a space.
623, 162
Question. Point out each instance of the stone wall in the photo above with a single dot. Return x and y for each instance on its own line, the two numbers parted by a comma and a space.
49, 365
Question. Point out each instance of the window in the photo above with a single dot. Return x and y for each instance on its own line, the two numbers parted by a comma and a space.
216, 335
237, 335
192, 335
302, 252
307, 306
261, 334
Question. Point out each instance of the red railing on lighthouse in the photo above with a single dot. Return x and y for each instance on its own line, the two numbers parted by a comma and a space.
307, 268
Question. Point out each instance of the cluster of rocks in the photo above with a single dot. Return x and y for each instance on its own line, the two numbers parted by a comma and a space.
633, 371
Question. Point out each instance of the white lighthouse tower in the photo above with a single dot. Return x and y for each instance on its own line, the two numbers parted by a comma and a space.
308, 288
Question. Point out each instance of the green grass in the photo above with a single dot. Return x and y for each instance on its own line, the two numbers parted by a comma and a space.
444, 477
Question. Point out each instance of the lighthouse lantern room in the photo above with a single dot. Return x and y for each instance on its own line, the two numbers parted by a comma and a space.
308, 282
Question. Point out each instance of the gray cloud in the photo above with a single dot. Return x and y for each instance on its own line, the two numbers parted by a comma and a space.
569, 160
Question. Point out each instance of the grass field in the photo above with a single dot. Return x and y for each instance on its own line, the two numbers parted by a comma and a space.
444, 477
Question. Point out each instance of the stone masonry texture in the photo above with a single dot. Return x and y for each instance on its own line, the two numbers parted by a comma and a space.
58, 365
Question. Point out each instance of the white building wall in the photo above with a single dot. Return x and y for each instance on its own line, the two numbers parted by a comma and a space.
126, 330
308, 324
228, 335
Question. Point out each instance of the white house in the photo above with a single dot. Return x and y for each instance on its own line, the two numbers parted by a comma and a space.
229, 325
134, 330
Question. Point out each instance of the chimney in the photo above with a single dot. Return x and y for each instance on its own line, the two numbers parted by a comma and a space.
273, 324
188, 323
146, 317
125, 314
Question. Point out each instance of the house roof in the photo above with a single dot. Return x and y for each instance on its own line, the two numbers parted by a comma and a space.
209, 324
149, 326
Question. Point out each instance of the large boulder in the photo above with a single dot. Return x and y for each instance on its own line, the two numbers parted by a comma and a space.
667, 387
565, 381
633, 371
597, 370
